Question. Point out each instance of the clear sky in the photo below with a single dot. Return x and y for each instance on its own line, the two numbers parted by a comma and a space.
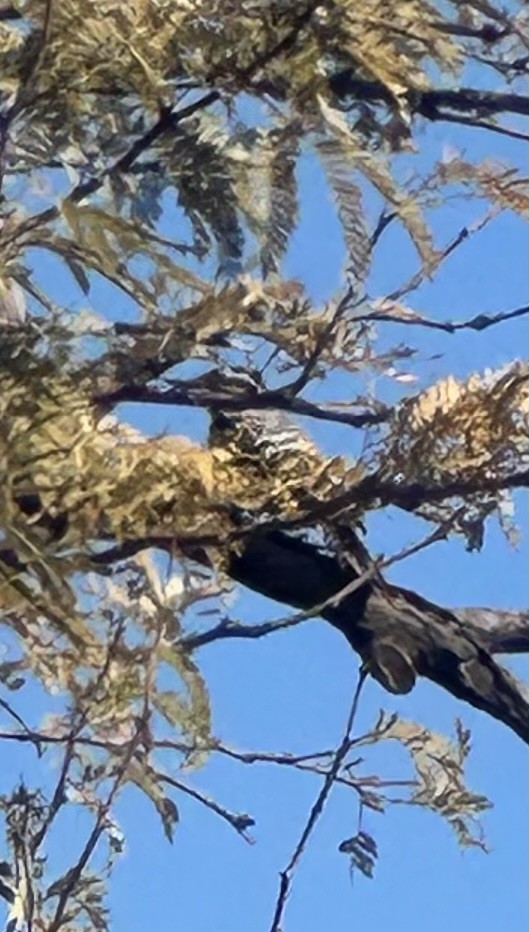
292, 690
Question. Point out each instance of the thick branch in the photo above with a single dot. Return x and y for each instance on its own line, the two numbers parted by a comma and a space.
502, 631
398, 634
309, 578
386, 625
377, 617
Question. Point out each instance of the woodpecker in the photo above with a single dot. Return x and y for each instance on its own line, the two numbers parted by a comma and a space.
269, 466
269, 436
270, 451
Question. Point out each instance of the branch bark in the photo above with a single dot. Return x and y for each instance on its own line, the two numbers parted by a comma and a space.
433, 104
397, 633
381, 619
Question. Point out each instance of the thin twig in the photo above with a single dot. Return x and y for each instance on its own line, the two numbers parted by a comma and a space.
59, 797
461, 236
30, 734
321, 343
314, 762
311, 763
73, 876
490, 127
316, 811
239, 821
478, 322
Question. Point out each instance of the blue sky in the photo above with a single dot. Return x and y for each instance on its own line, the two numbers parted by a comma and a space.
292, 691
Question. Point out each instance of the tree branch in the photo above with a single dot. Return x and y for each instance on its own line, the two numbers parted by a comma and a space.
167, 121
241, 822
479, 322
229, 629
434, 640
316, 811
504, 632
433, 104
229, 397
410, 495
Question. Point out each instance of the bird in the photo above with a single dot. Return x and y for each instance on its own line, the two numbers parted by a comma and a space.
268, 435
268, 464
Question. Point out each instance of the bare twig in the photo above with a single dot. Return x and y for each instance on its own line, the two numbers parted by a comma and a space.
490, 127
59, 797
30, 734
285, 881
322, 341
478, 322
317, 763
312, 762
71, 879
239, 821
461, 236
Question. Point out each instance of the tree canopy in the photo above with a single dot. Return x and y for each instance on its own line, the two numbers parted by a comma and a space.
156, 147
